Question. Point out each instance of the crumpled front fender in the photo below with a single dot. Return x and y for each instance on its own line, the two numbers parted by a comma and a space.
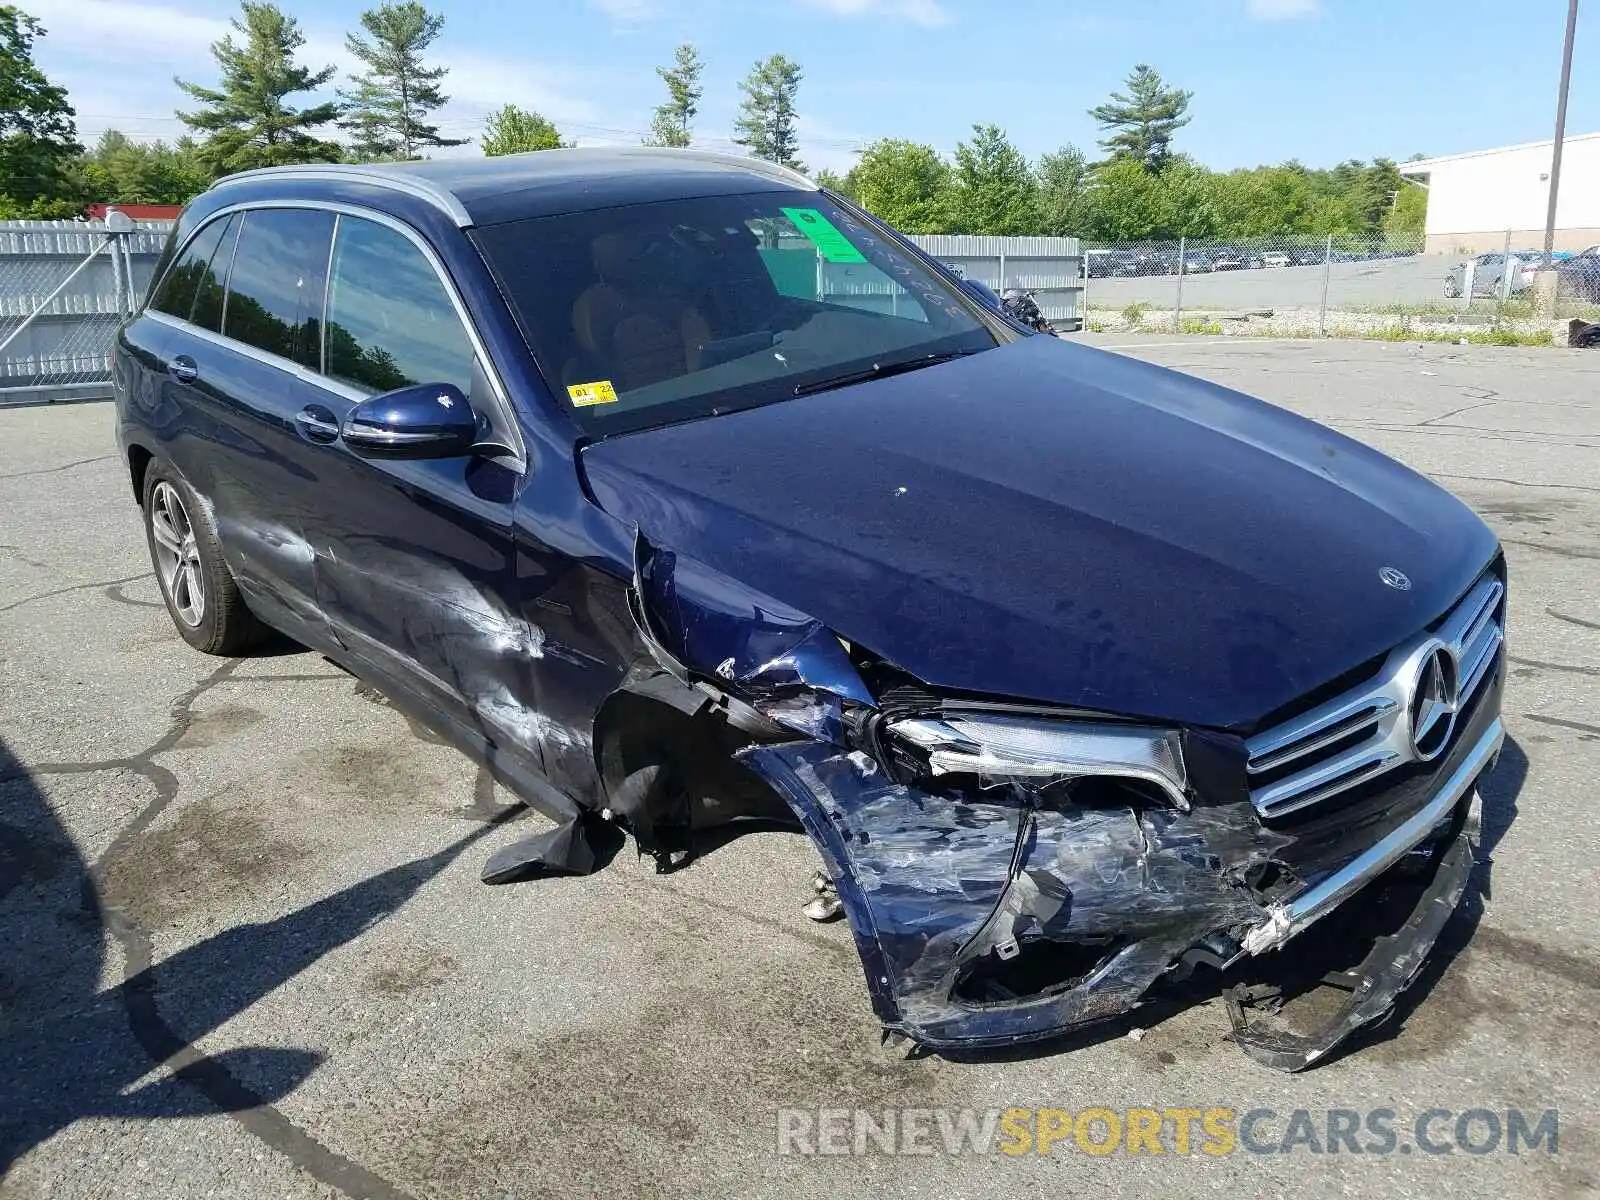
936, 886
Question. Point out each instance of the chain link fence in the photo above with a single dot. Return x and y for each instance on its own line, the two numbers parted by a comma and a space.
65, 286
1296, 285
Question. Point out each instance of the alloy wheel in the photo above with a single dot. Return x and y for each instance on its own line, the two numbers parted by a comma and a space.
177, 554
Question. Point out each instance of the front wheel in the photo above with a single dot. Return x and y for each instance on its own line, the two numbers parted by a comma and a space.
201, 596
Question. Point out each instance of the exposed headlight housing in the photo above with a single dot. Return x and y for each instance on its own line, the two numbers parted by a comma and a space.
997, 748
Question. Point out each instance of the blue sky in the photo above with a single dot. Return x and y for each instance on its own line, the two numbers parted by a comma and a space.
1318, 80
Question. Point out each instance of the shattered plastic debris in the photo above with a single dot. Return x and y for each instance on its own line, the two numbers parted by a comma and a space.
568, 849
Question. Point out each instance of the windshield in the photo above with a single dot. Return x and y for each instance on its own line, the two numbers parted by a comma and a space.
649, 314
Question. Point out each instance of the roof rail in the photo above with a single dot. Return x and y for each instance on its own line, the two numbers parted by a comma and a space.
419, 186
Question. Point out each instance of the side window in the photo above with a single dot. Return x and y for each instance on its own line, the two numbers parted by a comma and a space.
209, 293
176, 295
276, 287
390, 320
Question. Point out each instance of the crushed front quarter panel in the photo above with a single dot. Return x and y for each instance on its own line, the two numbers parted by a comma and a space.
939, 886
935, 885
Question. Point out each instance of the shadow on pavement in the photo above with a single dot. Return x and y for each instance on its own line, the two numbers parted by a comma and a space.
70, 1048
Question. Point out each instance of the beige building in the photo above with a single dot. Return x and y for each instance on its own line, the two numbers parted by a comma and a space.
1474, 198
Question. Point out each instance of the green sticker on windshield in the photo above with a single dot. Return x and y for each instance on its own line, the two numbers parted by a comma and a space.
824, 235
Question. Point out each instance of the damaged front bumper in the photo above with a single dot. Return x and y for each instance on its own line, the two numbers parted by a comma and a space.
986, 919
1013, 871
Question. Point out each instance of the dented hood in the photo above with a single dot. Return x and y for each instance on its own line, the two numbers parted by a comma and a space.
1049, 522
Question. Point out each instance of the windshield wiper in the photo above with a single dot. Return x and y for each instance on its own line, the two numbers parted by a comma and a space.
879, 370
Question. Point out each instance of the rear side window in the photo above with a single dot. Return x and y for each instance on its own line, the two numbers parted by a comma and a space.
276, 287
390, 320
209, 293
200, 263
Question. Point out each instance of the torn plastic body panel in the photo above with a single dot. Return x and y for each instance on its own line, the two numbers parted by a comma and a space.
945, 891
1011, 873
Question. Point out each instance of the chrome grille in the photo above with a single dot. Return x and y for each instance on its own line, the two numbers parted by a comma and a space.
1388, 721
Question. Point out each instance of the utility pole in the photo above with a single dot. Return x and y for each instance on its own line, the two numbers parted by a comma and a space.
1561, 132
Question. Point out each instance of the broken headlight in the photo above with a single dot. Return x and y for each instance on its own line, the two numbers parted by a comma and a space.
1002, 749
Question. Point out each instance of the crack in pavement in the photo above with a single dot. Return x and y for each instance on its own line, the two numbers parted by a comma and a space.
82, 462
1578, 621
76, 587
1565, 487
1579, 726
155, 1035
1559, 551
1548, 666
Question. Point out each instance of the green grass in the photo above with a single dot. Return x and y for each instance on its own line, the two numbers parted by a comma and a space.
1134, 313
1192, 325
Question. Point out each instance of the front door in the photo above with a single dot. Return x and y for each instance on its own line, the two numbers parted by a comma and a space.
415, 561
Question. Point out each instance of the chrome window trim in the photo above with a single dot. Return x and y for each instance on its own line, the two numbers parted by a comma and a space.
491, 372
419, 187
1468, 639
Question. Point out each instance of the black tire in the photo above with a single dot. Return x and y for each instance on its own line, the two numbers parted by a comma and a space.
189, 567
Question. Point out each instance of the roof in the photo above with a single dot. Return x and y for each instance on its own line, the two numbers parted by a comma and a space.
1425, 165
488, 191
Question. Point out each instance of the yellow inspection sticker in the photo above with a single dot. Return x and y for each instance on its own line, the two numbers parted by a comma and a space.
584, 394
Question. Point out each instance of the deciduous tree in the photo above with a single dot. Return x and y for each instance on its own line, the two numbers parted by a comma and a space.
1066, 193
511, 130
387, 111
905, 183
247, 120
994, 191
37, 135
121, 171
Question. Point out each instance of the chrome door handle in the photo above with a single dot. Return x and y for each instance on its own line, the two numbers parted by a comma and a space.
183, 369
317, 423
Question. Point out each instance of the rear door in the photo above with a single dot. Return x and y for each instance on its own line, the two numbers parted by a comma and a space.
262, 377
415, 564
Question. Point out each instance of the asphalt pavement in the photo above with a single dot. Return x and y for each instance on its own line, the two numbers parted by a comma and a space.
244, 950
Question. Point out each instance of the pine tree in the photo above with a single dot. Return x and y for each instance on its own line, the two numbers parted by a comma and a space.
1140, 124
37, 137
386, 112
246, 120
767, 122
670, 127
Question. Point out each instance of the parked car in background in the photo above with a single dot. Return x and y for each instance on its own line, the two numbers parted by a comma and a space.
1489, 273
1276, 258
1226, 258
1307, 256
1578, 276
1112, 264
1082, 675
1196, 262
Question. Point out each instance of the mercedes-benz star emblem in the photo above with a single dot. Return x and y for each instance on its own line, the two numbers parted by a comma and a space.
1433, 705
1395, 578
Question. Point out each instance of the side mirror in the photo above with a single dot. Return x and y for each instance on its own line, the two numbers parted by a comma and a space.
428, 420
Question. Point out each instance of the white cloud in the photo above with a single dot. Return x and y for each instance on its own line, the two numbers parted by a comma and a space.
628, 12
1283, 10
929, 13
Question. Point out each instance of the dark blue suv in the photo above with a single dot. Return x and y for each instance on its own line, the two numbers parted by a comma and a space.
684, 494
